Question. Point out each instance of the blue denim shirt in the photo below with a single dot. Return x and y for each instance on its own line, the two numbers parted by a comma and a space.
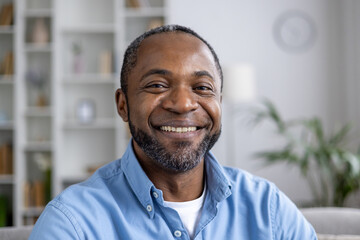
120, 202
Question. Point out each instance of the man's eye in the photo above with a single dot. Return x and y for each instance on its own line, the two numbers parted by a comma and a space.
203, 88
156, 85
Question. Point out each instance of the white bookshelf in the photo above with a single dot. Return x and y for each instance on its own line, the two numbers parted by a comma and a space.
8, 36
51, 127
34, 118
94, 142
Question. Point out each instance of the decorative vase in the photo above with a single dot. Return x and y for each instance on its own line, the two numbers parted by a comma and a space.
78, 64
85, 111
40, 33
41, 100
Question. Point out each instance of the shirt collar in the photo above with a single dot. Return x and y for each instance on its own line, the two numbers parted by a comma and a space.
218, 183
137, 178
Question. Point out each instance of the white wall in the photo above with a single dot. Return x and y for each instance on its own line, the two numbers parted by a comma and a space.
305, 84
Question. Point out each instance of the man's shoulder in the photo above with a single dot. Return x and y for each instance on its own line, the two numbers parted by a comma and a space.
83, 205
99, 183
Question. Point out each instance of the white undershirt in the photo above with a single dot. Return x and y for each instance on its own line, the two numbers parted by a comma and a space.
189, 212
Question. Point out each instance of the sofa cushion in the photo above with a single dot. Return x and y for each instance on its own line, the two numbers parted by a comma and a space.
15, 233
338, 237
332, 220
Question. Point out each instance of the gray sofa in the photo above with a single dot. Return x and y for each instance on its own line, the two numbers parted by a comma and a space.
15, 233
334, 223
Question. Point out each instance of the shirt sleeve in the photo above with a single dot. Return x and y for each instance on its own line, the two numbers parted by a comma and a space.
288, 221
56, 223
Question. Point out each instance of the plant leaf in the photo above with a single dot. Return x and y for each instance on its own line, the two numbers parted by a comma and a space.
339, 136
354, 163
274, 115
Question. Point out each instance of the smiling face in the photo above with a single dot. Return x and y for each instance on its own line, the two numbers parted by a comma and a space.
173, 101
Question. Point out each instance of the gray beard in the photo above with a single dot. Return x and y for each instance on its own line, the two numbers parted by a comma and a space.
185, 158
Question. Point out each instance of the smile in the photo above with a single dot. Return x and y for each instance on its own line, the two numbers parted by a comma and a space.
177, 129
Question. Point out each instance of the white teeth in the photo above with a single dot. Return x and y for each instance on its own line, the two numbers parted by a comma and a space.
178, 129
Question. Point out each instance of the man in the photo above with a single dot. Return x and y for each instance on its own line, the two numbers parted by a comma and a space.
168, 185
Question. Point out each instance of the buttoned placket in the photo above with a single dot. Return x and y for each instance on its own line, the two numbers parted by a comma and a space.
177, 229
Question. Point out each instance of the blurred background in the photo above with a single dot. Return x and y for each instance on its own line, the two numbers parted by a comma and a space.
291, 86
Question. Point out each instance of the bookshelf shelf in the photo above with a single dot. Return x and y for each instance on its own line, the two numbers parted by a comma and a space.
7, 125
38, 147
6, 79
32, 211
67, 181
145, 12
6, 179
38, 12
94, 28
38, 48
90, 79
38, 112
97, 124
7, 29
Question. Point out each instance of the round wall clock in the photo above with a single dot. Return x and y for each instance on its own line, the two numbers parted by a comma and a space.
294, 31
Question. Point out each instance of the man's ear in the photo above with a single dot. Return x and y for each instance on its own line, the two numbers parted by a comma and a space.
121, 104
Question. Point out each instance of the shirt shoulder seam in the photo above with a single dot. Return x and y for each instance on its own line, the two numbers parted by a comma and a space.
94, 178
273, 213
64, 210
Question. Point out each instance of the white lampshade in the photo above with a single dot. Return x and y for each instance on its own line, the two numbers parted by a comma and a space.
239, 83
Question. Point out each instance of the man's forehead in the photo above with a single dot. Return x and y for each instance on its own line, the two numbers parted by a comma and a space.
173, 40
161, 49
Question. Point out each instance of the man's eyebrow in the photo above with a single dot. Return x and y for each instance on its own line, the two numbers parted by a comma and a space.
155, 72
203, 73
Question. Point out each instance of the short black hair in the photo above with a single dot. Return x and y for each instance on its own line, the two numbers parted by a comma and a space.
130, 56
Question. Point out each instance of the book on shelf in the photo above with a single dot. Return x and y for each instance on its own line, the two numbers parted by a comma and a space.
137, 3
34, 194
6, 159
105, 62
2, 66
7, 64
27, 197
133, 3
7, 14
39, 193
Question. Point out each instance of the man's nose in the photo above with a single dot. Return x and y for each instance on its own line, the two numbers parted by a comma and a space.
181, 100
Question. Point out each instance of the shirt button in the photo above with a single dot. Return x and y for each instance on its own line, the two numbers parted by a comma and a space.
177, 233
149, 208
155, 195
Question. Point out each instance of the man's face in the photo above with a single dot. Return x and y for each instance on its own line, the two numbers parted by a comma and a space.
173, 104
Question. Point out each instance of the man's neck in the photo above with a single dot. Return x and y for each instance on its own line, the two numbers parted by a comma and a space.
176, 187
179, 187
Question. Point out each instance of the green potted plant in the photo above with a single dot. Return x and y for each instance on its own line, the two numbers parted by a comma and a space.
308, 147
